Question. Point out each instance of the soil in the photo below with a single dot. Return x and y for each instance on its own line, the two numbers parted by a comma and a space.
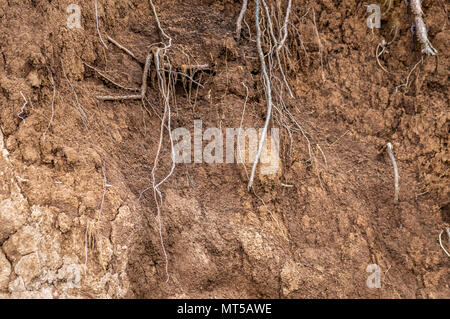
309, 231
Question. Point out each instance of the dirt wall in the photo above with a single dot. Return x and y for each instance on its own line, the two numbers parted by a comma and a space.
72, 167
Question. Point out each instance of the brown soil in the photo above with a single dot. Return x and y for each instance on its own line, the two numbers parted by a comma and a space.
314, 239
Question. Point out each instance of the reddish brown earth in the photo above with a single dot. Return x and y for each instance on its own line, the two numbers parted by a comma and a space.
314, 239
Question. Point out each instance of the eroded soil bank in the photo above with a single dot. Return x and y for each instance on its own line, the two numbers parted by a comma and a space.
71, 224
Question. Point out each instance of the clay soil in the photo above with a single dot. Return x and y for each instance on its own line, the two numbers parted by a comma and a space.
309, 231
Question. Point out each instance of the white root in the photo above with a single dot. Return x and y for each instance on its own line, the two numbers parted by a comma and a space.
284, 31
166, 96
117, 44
416, 7
240, 18
421, 28
268, 90
394, 164
109, 79
281, 44
140, 96
422, 36
440, 243
406, 84
23, 107
98, 26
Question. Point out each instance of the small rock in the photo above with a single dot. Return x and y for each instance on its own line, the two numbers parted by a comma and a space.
11, 218
22, 243
71, 155
290, 278
28, 268
64, 223
33, 79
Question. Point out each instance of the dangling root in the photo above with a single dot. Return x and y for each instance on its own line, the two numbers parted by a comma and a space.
421, 28
273, 64
239, 20
268, 90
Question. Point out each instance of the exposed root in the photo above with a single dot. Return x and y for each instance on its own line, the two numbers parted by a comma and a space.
143, 90
268, 90
166, 77
422, 36
109, 79
240, 18
440, 242
117, 44
19, 115
165, 88
389, 5
394, 164
151, 58
383, 45
421, 28
272, 28
406, 84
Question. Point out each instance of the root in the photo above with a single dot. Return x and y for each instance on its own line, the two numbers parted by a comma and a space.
279, 43
383, 45
165, 91
275, 81
143, 90
389, 3
240, 18
159, 57
394, 164
117, 44
148, 61
268, 90
19, 115
406, 84
97, 23
422, 36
